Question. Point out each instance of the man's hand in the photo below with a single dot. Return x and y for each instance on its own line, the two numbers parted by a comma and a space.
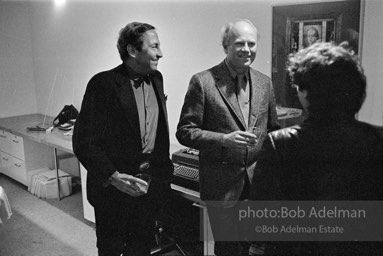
128, 184
239, 139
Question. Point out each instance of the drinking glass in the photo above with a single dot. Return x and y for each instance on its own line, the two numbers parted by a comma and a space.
258, 132
144, 177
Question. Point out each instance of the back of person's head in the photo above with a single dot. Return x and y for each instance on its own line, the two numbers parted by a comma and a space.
131, 34
332, 76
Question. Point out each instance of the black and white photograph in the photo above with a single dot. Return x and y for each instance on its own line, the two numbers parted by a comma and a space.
308, 32
191, 128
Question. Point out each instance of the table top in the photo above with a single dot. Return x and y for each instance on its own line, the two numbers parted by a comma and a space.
18, 126
287, 113
56, 138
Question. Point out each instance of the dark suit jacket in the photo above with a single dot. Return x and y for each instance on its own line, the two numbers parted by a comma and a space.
106, 136
211, 110
316, 161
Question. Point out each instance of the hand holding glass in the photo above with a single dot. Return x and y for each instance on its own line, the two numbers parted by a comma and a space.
147, 179
258, 134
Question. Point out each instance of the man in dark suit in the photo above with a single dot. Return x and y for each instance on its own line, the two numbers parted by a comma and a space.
221, 107
121, 131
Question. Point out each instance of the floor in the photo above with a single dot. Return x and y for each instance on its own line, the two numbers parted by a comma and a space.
53, 228
45, 227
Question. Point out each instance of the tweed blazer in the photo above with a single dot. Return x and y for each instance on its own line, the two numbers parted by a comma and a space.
107, 136
210, 110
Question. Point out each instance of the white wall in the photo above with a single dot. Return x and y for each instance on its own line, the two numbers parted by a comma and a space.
80, 40
372, 60
71, 44
17, 82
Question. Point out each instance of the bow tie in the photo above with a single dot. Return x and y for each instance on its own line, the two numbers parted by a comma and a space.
140, 80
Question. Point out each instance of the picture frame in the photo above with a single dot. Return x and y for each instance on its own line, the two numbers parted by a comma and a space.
293, 24
304, 32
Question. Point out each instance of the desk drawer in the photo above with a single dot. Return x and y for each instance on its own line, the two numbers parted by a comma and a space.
6, 163
14, 168
5, 142
18, 170
17, 146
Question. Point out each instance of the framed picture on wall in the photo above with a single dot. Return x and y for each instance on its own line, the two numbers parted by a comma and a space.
296, 26
304, 33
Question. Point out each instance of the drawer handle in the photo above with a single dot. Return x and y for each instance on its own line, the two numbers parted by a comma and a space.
18, 165
2, 136
6, 159
15, 141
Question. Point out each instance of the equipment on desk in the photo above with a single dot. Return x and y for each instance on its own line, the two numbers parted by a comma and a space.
68, 113
186, 164
64, 121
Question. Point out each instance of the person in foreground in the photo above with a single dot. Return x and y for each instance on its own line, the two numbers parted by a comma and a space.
221, 107
331, 156
121, 131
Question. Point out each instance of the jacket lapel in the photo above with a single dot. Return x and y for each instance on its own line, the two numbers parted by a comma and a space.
227, 88
157, 85
124, 92
254, 98
126, 97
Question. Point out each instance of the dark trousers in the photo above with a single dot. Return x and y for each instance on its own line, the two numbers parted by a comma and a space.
224, 221
125, 224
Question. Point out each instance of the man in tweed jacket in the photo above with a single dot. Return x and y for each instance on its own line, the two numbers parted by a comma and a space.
216, 120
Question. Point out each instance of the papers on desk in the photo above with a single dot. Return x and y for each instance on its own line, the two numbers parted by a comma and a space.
43, 183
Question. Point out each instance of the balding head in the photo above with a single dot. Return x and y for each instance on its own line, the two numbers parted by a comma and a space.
231, 27
240, 41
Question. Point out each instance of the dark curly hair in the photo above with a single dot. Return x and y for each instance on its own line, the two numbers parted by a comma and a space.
333, 77
131, 34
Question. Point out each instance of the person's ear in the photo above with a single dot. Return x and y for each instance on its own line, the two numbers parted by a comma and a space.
304, 93
225, 49
302, 96
132, 51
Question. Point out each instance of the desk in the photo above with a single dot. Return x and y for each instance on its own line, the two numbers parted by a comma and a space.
17, 125
35, 155
55, 139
